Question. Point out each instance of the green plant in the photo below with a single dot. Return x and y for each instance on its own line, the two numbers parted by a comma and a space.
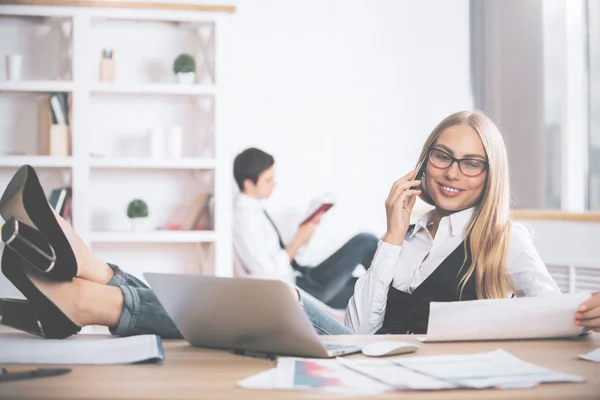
137, 209
184, 63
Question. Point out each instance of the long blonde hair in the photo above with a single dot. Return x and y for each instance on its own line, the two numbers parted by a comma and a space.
488, 231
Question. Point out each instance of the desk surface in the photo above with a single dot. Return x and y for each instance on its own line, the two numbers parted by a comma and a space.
191, 372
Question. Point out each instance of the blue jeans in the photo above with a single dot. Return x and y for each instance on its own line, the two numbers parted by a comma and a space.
332, 281
143, 314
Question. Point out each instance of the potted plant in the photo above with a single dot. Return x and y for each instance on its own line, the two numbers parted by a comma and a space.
185, 68
137, 211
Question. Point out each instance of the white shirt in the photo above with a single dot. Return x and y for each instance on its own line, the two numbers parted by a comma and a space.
406, 266
256, 244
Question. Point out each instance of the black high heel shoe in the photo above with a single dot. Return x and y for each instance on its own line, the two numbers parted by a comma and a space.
24, 203
38, 315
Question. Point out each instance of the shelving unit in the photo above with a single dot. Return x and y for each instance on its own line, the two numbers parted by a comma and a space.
36, 86
110, 123
154, 237
155, 88
36, 161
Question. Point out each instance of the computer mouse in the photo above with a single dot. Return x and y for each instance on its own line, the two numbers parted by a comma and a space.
389, 348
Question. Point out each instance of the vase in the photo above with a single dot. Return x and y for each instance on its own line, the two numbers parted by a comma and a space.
175, 141
186, 78
139, 224
13, 67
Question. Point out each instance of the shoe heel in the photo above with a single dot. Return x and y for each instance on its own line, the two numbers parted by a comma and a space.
19, 314
30, 244
37, 315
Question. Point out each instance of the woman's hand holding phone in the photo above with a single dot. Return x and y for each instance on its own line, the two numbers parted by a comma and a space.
398, 207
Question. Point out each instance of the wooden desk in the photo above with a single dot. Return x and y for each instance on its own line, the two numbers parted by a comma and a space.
190, 372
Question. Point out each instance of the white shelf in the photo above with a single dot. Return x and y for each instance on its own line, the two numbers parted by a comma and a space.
125, 106
153, 88
36, 161
153, 237
36, 86
153, 163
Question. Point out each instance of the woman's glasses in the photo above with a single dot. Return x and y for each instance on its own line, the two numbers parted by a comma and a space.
468, 166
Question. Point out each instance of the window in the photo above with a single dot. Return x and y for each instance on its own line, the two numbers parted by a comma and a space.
536, 72
593, 19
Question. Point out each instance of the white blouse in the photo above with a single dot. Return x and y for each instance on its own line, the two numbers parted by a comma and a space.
407, 266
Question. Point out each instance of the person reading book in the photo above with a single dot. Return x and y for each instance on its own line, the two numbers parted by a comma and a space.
261, 251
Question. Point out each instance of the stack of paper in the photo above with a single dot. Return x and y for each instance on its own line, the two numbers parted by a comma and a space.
485, 370
495, 369
82, 350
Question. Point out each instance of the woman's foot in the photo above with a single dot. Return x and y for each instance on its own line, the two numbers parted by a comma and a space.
83, 302
89, 266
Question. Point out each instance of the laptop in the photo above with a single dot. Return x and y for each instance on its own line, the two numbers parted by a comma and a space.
241, 314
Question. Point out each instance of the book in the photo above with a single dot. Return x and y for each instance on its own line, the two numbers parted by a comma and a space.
82, 349
58, 199
54, 133
186, 218
67, 209
321, 204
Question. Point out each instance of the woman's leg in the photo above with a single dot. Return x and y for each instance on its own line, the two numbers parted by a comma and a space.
83, 302
103, 294
126, 309
322, 321
142, 312
89, 266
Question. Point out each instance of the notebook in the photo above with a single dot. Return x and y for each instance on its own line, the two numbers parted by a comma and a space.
82, 349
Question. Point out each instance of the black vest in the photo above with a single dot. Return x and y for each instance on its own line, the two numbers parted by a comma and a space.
409, 312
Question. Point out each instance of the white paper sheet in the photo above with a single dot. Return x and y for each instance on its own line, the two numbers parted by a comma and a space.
399, 378
483, 370
549, 316
592, 355
264, 380
81, 350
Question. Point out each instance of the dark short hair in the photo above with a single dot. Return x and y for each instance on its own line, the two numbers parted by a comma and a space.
249, 164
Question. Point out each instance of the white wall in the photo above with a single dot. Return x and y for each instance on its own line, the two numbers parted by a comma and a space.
343, 95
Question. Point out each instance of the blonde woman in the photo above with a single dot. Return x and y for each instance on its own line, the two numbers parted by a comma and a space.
466, 248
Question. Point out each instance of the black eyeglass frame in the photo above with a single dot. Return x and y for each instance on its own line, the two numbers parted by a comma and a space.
485, 163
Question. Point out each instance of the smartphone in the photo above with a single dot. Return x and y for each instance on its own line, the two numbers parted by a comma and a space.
420, 169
